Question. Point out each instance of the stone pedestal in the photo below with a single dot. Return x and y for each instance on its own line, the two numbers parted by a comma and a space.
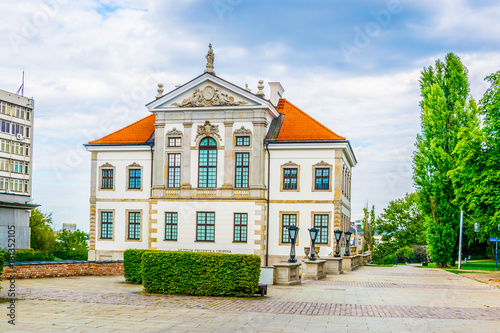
333, 265
315, 270
347, 263
287, 274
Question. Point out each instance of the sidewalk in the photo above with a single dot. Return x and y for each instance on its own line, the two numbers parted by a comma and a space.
380, 299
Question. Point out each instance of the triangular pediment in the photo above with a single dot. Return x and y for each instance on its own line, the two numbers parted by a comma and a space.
209, 91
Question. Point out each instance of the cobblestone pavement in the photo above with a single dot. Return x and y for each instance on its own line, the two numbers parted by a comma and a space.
397, 299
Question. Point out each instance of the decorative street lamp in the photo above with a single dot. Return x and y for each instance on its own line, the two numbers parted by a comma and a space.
347, 242
338, 236
292, 233
476, 226
313, 232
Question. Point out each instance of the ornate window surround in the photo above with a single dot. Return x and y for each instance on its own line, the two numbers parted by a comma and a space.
174, 133
330, 232
141, 225
297, 214
289, 165
242, 132
134, 165
107, 166
321, 165
99, 230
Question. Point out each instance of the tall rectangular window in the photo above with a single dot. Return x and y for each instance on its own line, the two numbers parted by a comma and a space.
16, 185
243, 141
134, 225
171, 226
205, 227
134, 178
174, 170
4, 164
288, 220
107, 179
4, 126
4, 183
106, 225
174, 142
242, 164
5, 146
290, 178
322, 179
321, 223
240, 227
207, 172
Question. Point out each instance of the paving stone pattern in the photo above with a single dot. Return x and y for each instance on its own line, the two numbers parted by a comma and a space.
392, 285
279, 307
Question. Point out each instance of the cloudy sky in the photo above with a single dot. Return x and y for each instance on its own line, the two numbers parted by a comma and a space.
354, 65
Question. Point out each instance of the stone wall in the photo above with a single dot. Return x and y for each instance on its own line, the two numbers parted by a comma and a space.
47, 269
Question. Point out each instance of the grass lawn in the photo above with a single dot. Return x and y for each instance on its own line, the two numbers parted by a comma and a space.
373, 265
471, 265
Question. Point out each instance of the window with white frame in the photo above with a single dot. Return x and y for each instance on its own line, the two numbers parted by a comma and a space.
4, 164
4, 183
16, 185
4, 126
17, 148
16, 166
5, 146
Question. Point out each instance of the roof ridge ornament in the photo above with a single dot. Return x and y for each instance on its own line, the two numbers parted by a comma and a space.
210, 60
160, 91
260, 93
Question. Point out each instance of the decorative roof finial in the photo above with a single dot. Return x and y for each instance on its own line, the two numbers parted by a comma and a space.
160, 90
210, 60
260, 93
246, 87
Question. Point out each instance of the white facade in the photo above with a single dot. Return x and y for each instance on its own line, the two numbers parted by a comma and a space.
204, 172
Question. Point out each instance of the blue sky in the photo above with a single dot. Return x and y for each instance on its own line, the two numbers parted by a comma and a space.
354, 65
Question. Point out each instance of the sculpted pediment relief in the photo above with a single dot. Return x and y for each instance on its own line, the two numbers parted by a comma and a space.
208, 96
207, 129
242, 130
174, 131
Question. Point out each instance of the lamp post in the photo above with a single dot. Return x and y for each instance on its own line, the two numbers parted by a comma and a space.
338, 236
347, 242
292, 233
313, 232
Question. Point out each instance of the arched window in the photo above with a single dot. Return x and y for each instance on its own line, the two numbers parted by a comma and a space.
207, 163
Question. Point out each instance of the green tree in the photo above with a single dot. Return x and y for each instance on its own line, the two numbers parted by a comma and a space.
401, 223
446, 110
72, 244
477, 173
42, 235
368, 220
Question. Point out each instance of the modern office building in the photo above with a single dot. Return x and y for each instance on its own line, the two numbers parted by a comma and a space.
16, 155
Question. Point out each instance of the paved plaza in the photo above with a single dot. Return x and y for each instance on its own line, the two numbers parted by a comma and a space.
373, 299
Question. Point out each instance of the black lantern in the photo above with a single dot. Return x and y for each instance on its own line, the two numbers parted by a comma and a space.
292, 233
347, 243
313, 232
338, 236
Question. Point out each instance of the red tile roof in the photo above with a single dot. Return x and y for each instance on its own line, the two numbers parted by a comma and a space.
138, 132
299, 126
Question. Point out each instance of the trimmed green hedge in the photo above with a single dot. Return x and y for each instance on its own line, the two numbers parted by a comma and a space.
200, 274
33, 255
132, 265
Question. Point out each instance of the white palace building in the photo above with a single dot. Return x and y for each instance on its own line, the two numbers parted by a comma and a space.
217, 168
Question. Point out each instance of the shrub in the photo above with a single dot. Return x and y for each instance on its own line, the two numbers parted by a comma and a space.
200, 274
389, 259
132, 265
79, 254
33, 255
420, 253
404, 254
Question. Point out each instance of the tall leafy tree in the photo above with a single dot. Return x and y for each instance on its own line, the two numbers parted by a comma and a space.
477, 173
42, 236
446, 110
402, 223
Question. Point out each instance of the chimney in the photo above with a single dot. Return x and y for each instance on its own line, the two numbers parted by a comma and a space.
276, 92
